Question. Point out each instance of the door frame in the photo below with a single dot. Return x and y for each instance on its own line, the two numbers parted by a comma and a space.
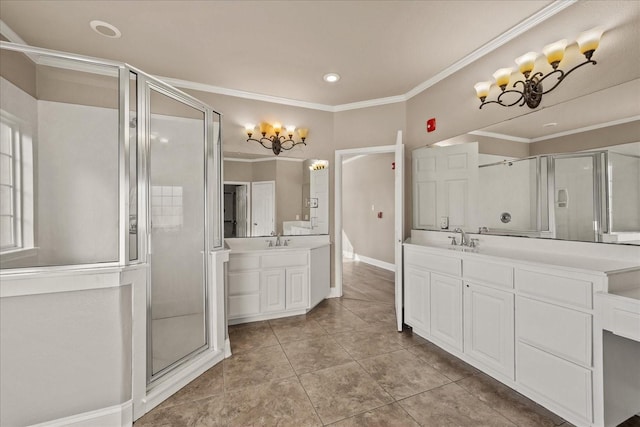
246, 184
398, 150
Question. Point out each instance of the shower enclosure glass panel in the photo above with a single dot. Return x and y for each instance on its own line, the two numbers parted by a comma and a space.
177, 159
624, 192
133, 166
64, 140
576, 197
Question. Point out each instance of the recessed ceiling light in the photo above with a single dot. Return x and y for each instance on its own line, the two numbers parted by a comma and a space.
105, 29
548, 125
331, 77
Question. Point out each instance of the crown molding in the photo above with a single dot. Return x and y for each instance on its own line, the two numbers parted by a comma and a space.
587, 128
535, 19
501, 136
555, 135
203, 87
507, 36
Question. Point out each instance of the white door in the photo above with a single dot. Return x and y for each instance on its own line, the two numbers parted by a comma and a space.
399, 226
319, 191
263, 208
445, 181
446, 310
488, 327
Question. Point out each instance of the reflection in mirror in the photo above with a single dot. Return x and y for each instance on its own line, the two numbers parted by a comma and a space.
264, 196
570, 171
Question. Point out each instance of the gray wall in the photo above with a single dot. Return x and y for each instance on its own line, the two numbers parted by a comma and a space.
369, 181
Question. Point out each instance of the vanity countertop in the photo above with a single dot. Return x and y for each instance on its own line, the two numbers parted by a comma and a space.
254, 249
573, 262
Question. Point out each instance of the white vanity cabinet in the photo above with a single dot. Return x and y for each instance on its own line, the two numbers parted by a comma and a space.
489, 315
554, 330
529, 324
433, 296
277, 282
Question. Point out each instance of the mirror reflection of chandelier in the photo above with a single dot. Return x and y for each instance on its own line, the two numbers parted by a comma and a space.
274, 141
531, 89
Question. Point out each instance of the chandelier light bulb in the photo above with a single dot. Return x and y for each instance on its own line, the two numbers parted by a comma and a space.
526, 62
482, 89
555, 52
502, 76
589, 41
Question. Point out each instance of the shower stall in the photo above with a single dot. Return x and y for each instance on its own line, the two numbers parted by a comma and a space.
110, 229
590, 196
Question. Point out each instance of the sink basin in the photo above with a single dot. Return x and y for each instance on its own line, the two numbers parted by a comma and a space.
462, 248
278, 247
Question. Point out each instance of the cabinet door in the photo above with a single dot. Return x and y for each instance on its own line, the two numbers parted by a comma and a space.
489, 327
416, 299
297, 288
272, 290
446, 310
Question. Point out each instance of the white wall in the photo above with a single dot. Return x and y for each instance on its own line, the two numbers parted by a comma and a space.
504, 188
63, 353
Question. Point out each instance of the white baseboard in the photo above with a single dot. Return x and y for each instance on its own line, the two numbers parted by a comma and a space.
333, 293
227, 348
376, 262
117, 415
162, 391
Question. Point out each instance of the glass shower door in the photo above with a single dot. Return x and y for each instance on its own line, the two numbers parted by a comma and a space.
177, 314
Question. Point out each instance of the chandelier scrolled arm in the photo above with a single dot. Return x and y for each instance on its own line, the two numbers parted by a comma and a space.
276, 142
530, 90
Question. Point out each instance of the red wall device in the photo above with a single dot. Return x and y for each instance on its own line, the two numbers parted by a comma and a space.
431, 125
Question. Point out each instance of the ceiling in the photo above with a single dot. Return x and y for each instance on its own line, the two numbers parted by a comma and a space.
277, 48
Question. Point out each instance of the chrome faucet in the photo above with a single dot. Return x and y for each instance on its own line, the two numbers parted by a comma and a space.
464, 240
278, 243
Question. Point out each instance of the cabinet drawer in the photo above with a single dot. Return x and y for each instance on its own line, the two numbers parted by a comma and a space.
244, 283
554, 287
437, 263
561, 331
284, 259
557, 380
243, 305
243, 262
488, 272
620, 315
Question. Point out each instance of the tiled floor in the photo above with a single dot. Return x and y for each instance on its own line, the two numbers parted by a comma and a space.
344, 364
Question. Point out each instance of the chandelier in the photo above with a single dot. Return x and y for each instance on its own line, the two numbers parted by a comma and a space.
530, 90
276, 142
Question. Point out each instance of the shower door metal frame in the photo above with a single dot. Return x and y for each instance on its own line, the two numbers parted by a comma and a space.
145, 85
600, 200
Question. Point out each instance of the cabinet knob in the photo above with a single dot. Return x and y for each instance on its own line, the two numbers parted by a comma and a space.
467, 286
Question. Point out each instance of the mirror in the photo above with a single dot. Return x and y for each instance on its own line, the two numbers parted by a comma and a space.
266, 195
570, 171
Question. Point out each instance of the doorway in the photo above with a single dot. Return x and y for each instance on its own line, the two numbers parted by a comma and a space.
398, 150
237, 202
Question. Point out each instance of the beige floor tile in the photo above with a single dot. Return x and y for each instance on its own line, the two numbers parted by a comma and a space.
295, 329
368, 342
511, 404
249, 336
447, 364
256, 367
208, 412
208, 384
341, 321
403, 374
385, 416
451, 405
315, 354
343, 391
279, 403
